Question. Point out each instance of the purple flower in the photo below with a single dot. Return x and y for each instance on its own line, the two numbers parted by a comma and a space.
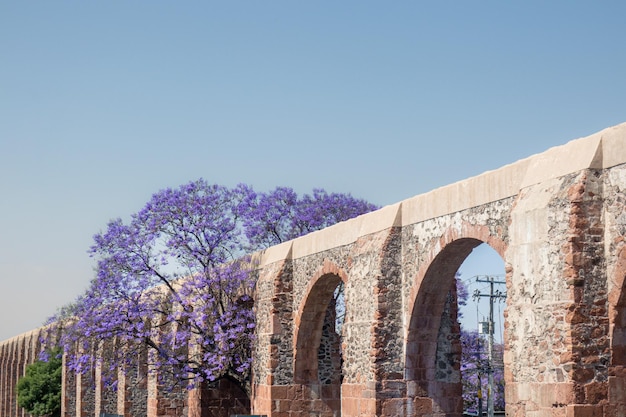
173, 286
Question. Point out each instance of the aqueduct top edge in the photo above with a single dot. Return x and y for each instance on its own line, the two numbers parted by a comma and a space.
603, 149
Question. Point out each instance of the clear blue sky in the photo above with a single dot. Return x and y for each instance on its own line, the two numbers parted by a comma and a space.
103, 103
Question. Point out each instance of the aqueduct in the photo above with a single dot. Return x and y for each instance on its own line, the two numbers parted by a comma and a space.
557, 219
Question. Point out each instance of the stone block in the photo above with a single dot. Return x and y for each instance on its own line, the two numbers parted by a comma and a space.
330, 391
393, 407
422, 406
596, 392
367, 407
615, 410
523, 391
584, 410
617, 390
281, 392
564, 393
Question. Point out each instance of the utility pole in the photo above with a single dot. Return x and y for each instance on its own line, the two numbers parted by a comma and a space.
493, 296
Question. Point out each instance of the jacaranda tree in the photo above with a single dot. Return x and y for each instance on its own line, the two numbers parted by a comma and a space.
177, 280
474, 367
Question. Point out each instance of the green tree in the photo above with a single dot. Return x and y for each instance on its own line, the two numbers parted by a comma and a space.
39, 390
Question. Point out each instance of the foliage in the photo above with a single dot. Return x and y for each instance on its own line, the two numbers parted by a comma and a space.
179, 274
474, 367
280, 215
39, 391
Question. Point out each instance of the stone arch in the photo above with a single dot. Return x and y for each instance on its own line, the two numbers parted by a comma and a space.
309, 319
434, 391
315, 335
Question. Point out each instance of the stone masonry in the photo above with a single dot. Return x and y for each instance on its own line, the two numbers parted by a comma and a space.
557, 219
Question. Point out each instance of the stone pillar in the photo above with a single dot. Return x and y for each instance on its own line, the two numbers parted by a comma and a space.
68, 390
222, 398
194, 401
123, 403
272, 372
106, 379
13, 376
132, 386
557, 336
5, 393
3, 377
85, 391
389, 388
585, 274
615, 232
21, 369
166, 397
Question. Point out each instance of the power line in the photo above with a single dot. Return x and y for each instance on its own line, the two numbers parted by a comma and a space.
493, 295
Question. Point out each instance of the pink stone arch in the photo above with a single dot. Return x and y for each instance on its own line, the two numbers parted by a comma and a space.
309, 319
435, 278
474, 235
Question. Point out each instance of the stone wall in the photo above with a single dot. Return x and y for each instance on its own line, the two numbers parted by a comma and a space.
15, 354
558, 221
137, 392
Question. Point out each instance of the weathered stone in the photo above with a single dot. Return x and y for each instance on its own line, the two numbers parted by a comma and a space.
558, 219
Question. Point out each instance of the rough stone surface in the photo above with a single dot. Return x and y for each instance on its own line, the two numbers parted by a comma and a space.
558, 220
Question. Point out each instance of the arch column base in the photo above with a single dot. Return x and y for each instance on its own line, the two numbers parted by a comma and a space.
297, 400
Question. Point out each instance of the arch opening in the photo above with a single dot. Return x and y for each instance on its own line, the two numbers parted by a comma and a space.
318, 356
437, 365
482, 300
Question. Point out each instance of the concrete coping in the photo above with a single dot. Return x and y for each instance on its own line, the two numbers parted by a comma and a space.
601, 150
26, 335
340, 234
